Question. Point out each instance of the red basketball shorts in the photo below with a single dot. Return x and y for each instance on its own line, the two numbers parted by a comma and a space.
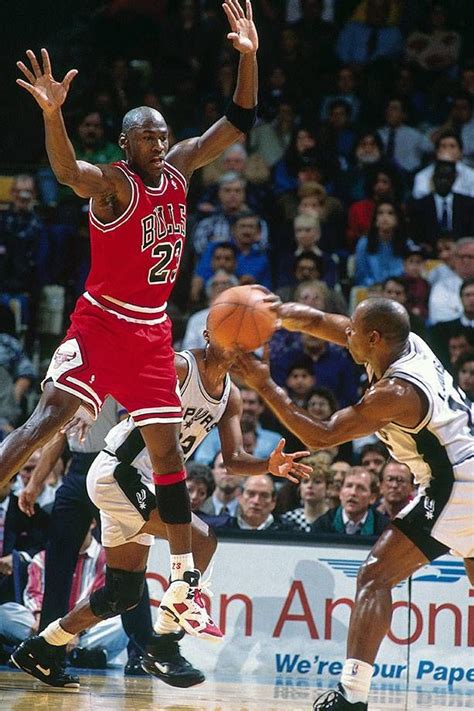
133, 362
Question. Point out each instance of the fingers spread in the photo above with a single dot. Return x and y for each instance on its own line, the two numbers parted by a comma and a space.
46, 61
23, 68
34, 63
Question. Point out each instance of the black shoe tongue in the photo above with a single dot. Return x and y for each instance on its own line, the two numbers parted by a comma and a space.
191, 577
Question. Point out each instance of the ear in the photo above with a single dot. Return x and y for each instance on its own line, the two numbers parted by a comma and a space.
374, 338
122, 141
206, 335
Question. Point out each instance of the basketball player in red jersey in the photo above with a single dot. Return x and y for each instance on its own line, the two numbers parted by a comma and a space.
119, 341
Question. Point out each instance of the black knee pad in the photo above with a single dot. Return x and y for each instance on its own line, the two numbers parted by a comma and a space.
122, 591
173, 503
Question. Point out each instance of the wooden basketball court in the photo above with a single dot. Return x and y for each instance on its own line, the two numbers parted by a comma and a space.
112, 691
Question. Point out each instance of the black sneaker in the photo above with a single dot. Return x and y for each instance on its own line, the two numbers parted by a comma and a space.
40, 659
133, 667
164, 660
95, 658
337, 701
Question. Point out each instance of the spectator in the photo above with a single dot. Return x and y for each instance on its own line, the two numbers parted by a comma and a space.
337, 473
346, 91
252, 410
459, 344
313, 495
396, 488
257, 502
445, 301
249, 436
418, 288
285, 173
217, 227
307, 235
371, 34
224, 500
441, 332
218, 256
436, 49
442, 210
464, 373
306, 267
253, 265
354, 515
404, 146
396, 288
380, 254
107, 639
336, 136
16, 377
380, 185
461, 121
271, 140
367, 157
300, 381
199, 484
373, 457
445, 254
90, 143
47, 492
314, 200
321, 403
449, 147
219, 282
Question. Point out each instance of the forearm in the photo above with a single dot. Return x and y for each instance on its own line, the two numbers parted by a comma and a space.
49, 456
60, 149
246, 90
243, 464
330, 327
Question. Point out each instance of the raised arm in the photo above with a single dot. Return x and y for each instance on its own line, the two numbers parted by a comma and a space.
330, 327
193, 153
85, 179
390, 400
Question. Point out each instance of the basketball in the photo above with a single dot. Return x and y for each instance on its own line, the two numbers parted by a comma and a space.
240, 316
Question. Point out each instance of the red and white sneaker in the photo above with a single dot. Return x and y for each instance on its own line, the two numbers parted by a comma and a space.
184, 602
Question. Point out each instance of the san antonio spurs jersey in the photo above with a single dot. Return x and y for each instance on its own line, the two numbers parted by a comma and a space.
201, 413
441, 448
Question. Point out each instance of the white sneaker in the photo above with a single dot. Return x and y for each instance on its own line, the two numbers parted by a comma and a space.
184, 602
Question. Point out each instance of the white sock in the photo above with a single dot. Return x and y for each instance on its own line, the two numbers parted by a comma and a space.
356, 678
164, 623
180, 564
54, 634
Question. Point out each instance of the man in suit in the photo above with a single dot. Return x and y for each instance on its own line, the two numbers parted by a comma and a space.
442, 210
228, 487
441, 332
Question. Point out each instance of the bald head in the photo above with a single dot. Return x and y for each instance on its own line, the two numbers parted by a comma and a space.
386, 316
140, 117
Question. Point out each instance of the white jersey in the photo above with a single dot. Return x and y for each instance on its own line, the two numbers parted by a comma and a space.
201, 413
441, 448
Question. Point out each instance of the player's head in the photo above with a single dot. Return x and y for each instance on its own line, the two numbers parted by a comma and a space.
144, 138
377, 325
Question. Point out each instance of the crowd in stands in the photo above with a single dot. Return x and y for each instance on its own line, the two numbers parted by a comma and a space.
357, 179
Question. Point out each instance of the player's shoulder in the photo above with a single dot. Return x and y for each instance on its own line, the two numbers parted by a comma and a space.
181, 154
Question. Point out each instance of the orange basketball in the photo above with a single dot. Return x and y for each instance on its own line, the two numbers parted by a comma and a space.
239, 316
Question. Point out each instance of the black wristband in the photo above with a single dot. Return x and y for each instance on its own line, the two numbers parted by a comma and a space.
243, 119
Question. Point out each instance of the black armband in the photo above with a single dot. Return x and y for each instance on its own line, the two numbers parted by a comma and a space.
243, 119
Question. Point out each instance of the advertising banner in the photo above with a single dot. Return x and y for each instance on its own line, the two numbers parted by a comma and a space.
284, 610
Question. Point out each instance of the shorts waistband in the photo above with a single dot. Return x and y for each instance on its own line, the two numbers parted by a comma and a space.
128, 312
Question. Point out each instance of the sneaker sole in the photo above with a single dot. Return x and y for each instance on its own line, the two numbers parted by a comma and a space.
180, 683
70, 687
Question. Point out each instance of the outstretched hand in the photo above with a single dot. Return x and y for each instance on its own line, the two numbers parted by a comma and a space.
285, 465
49, 93
243, 33
251, 370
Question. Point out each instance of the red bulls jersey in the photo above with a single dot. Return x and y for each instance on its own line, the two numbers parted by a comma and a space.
135, 259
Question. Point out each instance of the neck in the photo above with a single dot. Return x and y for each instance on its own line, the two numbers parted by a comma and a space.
385, 360
357, 516
385, 234
213, 370
223, 497
314, 509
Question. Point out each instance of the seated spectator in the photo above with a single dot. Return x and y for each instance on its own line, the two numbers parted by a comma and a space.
253, 266
445, 301
437, 48
396, 488
47, 492
16, 377
314, 200
313, 497
257, 503
367, 157
307, 236
373, 457
219, 256
463, 371
396, 288
371, 34
418, 288
199, 484
354, 515
461, 120
381, 183
337, 473
380, 254
219, 282
271, 140
445, 254
441, 332
306, 267
285, 172
300, 381
449, 147
252, 410
321, 403
460, 343
404, 146
346, 91
224, 500
336, 135
217, 227
442, 210
20, 620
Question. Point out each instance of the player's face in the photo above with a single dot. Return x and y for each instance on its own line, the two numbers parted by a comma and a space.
146, 147
357, 339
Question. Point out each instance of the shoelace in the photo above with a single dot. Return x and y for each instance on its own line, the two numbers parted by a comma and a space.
204, 587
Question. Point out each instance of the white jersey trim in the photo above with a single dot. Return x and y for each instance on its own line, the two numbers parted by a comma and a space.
130, 319
155, 420
147, 410
178, 175
132, 307
109, 226
188, 355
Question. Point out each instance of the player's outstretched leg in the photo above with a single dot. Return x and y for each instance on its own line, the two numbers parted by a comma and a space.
40, 659
164, 660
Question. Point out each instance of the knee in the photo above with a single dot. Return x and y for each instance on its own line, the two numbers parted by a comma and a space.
372, 576
122, 591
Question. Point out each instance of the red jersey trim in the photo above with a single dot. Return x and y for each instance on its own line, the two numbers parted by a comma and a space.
109, 226
129, 312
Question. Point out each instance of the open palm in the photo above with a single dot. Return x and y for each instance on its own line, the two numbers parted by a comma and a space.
285, 465
49, 93
243, 33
